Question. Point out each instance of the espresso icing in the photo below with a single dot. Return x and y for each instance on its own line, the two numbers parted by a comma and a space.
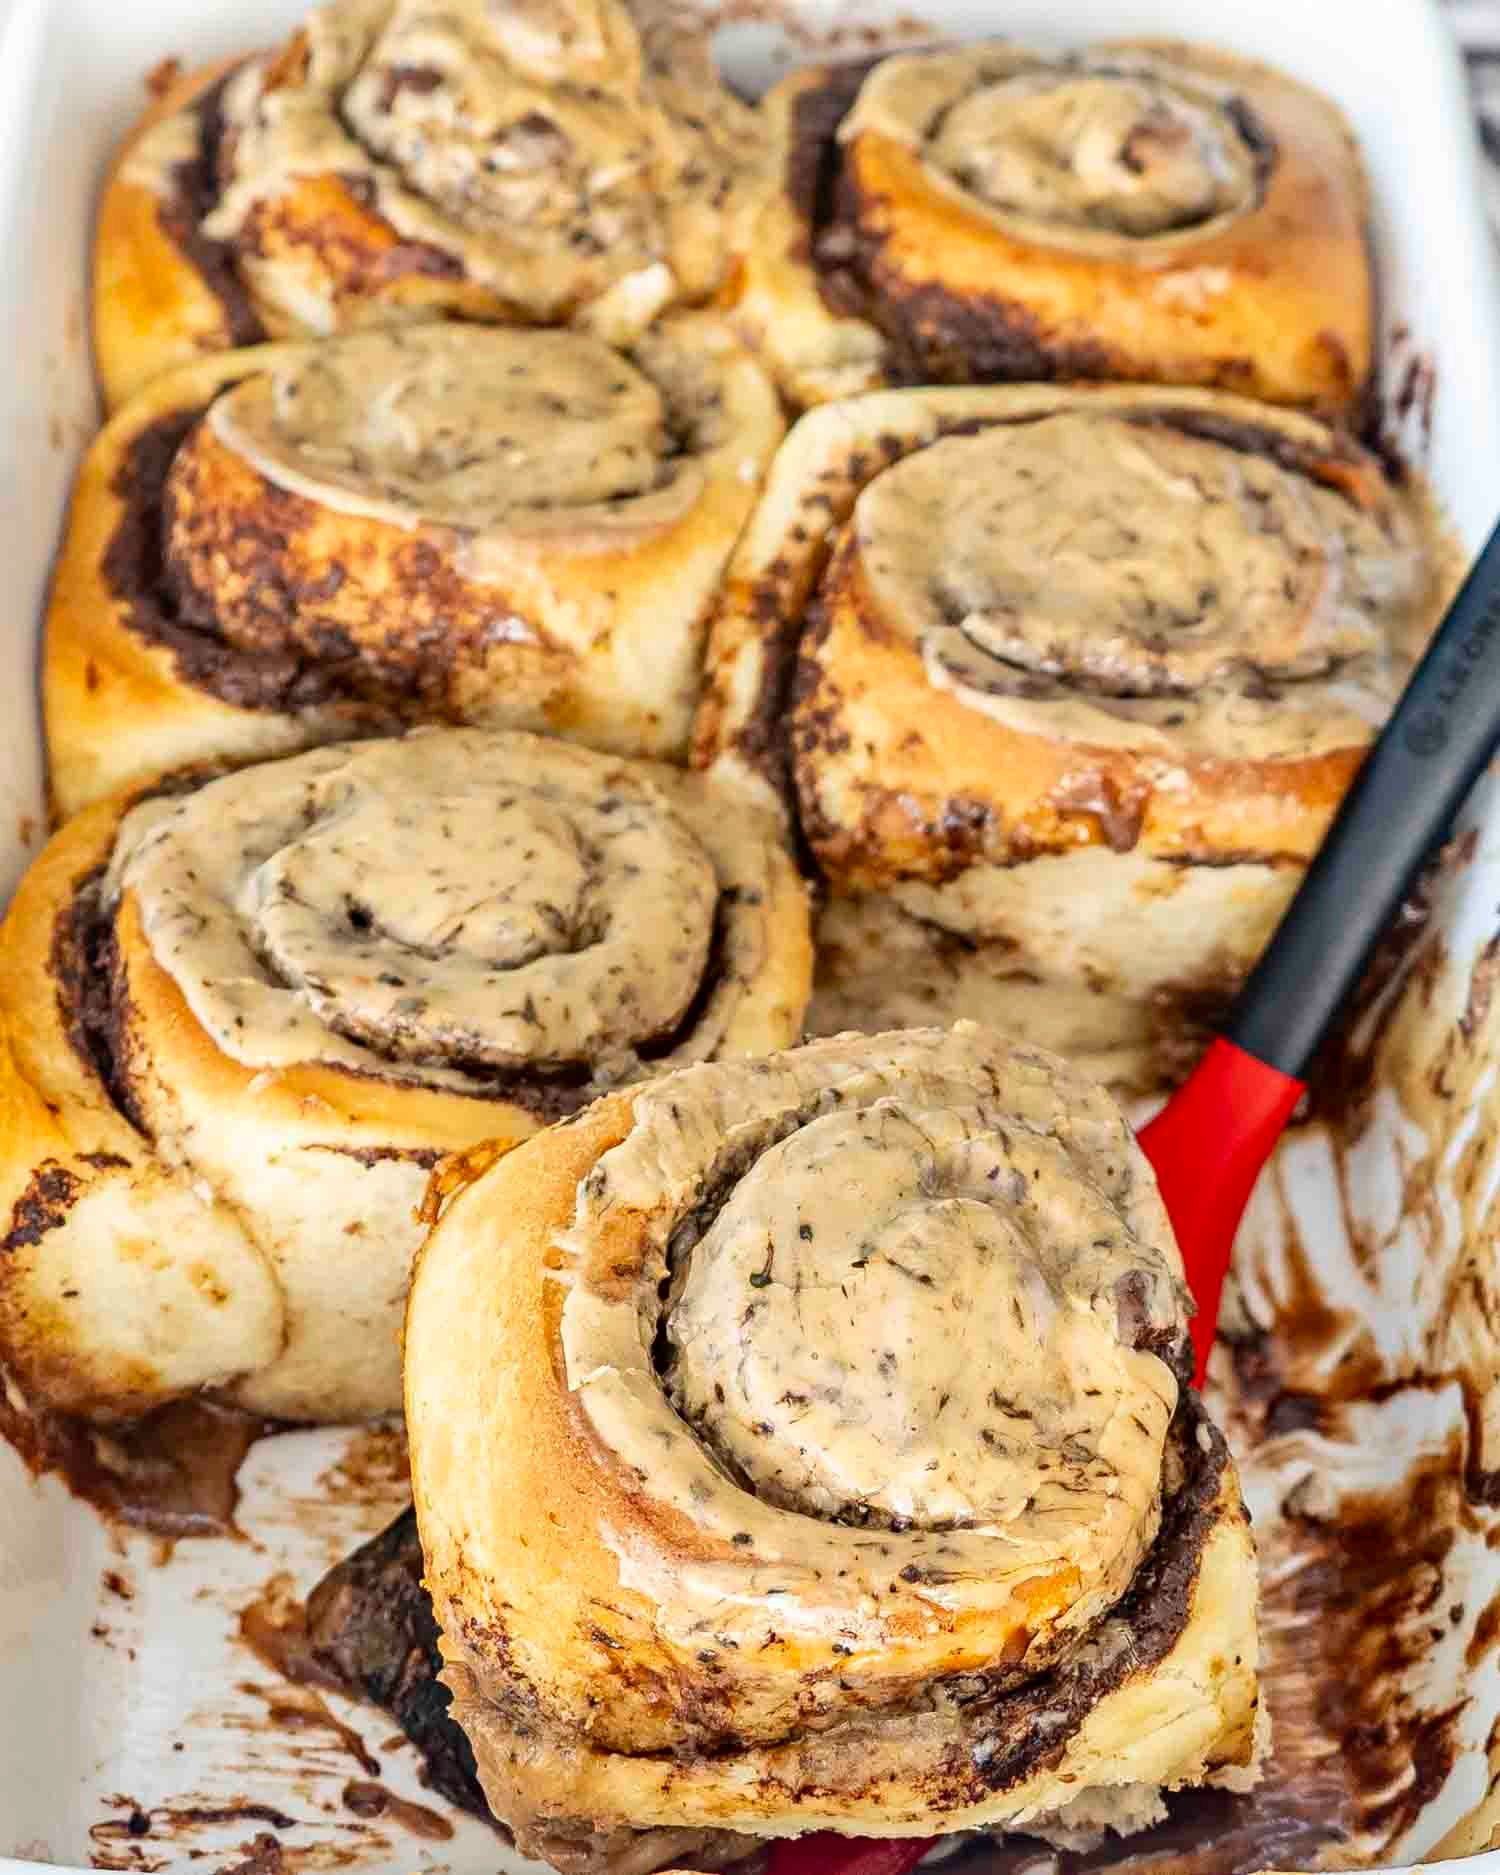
936, 1296
482, 431
555, 152
1086, 152
1132, 584
449, 906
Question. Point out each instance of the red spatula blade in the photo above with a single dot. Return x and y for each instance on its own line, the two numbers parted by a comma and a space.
827, 1854
1207, 1146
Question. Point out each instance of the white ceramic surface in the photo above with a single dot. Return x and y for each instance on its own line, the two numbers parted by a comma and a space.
109, 1700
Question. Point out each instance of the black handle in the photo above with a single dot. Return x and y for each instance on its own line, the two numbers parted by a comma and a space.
1413, 782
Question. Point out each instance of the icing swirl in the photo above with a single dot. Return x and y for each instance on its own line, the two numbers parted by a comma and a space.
451, 908
1121, 579
831, 1231
1083, 149
476, 431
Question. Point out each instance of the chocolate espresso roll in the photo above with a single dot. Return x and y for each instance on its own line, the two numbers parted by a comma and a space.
280, 546
537, 163
241, 1023
1062, 688
870, 1497
1150, 212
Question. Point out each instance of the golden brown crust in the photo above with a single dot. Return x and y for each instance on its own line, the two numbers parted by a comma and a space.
174, 1217
153, 308
933, 285
579, 1670
321, 187
976, 785
597, 638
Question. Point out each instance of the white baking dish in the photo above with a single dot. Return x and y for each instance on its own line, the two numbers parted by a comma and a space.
113, 1700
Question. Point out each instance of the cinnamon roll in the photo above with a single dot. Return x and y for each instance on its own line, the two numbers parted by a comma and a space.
1150, 212
241, 1021
1062, 688
535, 163
443, 523
868, 1494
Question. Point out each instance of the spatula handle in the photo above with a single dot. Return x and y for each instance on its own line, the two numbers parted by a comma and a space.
1413, 782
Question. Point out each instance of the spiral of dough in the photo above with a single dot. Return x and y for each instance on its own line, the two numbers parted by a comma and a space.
449, 908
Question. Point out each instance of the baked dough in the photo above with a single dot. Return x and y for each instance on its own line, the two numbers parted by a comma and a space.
868, 1494
1062, 688
1143, 211
241, 1022
275, 547
537, 163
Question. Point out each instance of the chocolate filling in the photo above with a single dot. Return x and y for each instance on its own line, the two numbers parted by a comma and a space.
84, 962
371, 1627
173, 1473
134, 571
193, 195
933, 336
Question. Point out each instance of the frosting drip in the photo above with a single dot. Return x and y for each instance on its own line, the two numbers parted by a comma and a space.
439, 908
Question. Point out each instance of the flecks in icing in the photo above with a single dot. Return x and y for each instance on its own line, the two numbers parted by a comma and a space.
1088, 151
1122, 582
884, 1149
555, 152
446, 905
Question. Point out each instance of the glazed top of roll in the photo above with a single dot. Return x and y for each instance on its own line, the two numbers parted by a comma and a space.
1150, 579
1084, 151
973, 626
479, 431
455, 909
830, 1231
552, 148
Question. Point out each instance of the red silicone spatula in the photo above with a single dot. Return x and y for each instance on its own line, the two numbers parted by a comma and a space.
1210, 1141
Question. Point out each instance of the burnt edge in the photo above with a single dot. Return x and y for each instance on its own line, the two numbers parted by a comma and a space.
192, 194
372, 1629
43, 1205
